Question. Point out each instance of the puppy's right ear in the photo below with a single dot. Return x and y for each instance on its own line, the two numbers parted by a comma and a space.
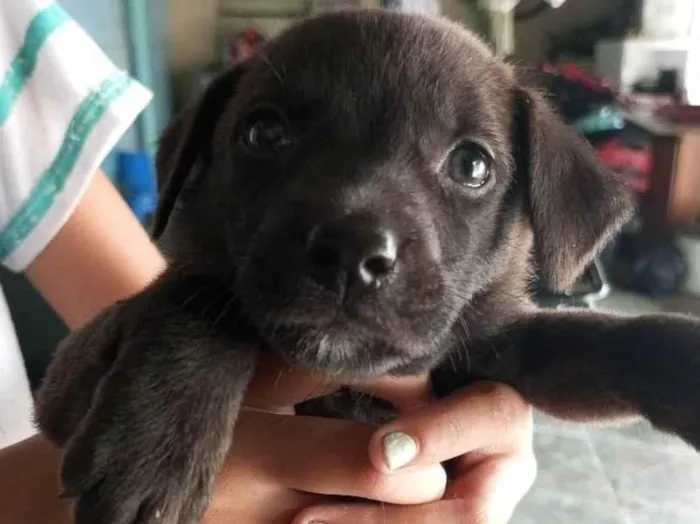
186, 143
576, 204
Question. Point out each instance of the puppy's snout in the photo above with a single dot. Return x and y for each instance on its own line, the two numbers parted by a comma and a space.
351, 251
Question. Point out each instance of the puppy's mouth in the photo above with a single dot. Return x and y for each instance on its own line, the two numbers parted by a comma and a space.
343, 350
352, 345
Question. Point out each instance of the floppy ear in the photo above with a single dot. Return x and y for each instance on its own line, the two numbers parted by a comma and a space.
575, 203
186, 143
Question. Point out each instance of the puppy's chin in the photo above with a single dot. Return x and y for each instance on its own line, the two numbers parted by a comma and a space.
344, 353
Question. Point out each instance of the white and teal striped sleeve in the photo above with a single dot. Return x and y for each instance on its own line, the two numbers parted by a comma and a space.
63, 106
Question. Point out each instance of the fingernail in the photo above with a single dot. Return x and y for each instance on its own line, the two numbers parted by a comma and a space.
399, 449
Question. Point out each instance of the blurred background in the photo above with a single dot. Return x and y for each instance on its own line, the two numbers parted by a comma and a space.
625, 73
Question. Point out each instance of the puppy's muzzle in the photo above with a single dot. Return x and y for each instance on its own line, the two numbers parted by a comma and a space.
352, 254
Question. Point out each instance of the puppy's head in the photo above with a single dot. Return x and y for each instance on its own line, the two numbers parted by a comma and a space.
371, 172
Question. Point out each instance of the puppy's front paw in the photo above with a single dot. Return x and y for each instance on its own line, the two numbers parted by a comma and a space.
122, 476
147, 453
155, 426
662, 368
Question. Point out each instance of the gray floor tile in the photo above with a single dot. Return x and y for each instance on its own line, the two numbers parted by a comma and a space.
569, 465
640, 434
542, 506
652, 478
547, 424
661, 516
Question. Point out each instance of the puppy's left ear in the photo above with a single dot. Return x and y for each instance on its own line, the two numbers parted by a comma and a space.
186, 142
576, 204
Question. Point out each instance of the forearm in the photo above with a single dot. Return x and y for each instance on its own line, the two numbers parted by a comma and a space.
29, 484
101, 255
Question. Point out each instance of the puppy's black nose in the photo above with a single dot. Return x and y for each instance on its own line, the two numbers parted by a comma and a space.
351, 251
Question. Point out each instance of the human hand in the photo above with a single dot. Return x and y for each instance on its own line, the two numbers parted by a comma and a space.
280, 464
290, 463
485, 431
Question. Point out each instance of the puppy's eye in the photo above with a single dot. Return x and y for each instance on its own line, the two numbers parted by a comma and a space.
265, 133
470, 165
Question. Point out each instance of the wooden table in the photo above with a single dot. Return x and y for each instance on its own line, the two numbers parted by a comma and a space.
673, 199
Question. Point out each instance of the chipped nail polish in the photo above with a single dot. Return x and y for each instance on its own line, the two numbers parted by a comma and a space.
399, 449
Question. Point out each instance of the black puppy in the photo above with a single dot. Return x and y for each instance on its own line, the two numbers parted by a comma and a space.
367, 197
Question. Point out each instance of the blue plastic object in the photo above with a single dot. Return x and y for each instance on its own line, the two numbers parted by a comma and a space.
604, 118
137, 180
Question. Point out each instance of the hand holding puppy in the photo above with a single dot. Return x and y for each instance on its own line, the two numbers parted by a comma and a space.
486, 429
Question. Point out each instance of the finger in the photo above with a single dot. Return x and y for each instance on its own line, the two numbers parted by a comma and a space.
327, 457
442, 512
497, 484
484, 419
488, 495
277, 384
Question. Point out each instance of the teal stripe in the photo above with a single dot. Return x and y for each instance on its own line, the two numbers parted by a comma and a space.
53, 180
23, 65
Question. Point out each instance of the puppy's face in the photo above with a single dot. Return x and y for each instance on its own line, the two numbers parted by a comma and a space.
368, 166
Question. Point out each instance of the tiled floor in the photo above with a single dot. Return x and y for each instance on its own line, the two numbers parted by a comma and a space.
626, 475
630, 475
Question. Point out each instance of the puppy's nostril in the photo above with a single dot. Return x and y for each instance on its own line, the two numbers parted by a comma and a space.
374, 268
379, 261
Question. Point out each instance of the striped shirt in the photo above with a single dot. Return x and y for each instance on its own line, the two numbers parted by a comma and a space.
63, 106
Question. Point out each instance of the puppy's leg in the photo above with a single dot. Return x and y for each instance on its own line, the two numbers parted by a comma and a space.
74, 374
590, 366
161, 420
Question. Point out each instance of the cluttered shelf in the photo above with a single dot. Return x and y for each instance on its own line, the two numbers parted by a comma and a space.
672, 202
651, 139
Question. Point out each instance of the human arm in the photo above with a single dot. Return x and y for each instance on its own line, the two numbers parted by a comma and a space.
101, 255
63, 106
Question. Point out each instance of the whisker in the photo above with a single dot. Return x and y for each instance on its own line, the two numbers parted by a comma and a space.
260, 53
